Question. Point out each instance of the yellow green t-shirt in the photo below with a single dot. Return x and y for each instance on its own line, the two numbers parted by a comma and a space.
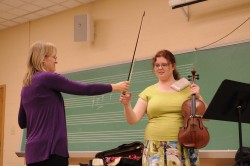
164, 113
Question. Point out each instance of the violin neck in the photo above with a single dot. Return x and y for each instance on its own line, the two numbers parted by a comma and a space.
193, 109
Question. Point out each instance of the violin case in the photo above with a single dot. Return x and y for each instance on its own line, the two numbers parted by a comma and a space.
124, 155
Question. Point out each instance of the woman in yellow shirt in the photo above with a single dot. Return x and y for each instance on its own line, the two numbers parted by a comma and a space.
163, 106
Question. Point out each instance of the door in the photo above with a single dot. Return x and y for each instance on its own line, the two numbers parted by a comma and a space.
2, 110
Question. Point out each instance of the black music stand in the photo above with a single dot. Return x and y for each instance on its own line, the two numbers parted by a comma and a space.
232, 103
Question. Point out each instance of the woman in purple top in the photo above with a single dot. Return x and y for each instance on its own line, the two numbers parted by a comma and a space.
42, 109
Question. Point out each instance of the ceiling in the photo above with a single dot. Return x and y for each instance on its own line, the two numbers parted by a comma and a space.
15, 12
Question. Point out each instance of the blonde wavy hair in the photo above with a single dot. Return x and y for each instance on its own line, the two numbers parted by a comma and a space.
38, 51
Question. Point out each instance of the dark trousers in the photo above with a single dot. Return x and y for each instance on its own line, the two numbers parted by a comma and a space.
54, 160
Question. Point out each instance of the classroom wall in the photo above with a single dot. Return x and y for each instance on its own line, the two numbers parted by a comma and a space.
116, 26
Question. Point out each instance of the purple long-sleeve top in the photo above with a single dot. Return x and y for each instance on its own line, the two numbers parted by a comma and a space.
42, 112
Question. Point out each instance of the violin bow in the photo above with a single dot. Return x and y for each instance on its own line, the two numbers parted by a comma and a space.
133, 59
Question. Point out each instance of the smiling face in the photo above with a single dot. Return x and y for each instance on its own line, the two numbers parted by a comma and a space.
163, 68
164, 65
49, 62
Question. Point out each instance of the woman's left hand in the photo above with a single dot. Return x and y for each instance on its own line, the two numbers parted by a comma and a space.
195, 89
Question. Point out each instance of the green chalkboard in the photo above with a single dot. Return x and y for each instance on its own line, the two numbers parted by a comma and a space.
97, 123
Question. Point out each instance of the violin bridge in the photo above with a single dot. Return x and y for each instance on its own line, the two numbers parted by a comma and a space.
197, 116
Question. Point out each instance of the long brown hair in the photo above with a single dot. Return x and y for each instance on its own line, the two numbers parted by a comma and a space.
37, 53
168, 56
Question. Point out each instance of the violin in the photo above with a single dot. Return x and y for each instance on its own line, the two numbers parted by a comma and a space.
193, 134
